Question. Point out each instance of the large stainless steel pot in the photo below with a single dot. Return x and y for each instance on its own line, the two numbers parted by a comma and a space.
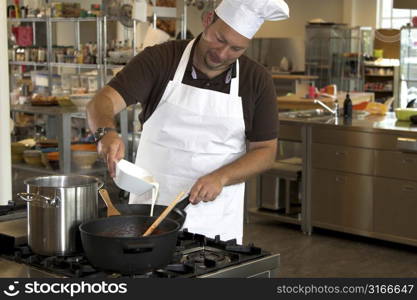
56, 206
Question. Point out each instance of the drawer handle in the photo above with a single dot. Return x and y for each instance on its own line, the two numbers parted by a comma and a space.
407, 140
340, 179
408, 188
407, 144
340, 153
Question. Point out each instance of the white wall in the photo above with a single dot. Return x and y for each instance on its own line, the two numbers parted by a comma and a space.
360, 12
352, 12
301, 11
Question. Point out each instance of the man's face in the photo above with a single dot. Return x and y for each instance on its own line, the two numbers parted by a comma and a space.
220, 45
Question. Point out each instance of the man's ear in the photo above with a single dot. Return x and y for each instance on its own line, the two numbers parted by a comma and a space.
207, 18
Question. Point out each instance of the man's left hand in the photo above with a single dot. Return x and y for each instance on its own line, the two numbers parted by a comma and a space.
206, 189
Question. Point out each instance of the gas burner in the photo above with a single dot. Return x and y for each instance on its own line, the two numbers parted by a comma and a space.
205, 257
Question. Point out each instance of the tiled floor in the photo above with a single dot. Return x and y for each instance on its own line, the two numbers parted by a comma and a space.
330, 254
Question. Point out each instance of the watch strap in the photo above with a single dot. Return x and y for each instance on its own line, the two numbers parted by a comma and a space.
101, 132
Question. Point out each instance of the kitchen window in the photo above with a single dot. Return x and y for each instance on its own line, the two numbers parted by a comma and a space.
390, 17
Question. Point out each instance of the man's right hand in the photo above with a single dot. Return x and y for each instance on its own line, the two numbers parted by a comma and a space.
112, 149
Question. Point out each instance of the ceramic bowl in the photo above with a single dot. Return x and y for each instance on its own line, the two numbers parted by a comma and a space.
84, 159
33, 158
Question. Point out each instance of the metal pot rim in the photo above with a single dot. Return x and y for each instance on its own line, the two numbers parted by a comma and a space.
33, 181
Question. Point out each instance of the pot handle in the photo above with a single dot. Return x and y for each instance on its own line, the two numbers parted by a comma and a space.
136, 247
28, 197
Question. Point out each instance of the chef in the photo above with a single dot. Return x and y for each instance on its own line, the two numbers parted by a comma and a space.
208, 112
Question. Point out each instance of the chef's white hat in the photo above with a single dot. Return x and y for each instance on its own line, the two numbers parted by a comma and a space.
247, 16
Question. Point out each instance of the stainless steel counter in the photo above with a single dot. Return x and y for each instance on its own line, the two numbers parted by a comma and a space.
358, 175
360, 121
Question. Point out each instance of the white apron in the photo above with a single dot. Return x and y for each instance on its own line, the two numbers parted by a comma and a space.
191, 133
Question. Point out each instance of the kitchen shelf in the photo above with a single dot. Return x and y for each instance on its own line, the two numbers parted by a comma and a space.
293, 219
384, 66
378, 66
114, 66
52, 19
376, 91
25, 167
70, 65
17, 20
371, 75
28, 63
58, 123
47, 110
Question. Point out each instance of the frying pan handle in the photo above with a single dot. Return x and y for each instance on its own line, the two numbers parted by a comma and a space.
183, 203
137, 247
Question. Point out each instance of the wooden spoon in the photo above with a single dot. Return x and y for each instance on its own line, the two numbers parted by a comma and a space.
111, 210
163, 214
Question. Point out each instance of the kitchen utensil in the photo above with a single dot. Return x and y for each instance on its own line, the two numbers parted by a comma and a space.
56, 205
116, 244
111, 210
164, 214
136, 180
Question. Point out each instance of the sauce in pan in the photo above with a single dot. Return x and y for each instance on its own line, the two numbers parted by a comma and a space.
128, 230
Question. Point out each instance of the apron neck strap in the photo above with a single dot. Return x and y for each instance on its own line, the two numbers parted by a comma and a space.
234, 83
182, 66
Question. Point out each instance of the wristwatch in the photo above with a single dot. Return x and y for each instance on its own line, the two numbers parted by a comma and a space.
102, 131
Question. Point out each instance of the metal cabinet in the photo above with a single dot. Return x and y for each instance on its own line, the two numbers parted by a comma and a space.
395, 208
364, 183
342, 201
342, 158
396, 164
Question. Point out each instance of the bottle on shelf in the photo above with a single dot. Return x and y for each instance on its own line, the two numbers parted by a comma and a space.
311, 91
347, 107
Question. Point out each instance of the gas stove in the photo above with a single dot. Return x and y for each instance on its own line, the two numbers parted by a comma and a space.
195, 256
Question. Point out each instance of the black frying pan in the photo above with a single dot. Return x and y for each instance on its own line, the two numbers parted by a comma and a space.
116, 243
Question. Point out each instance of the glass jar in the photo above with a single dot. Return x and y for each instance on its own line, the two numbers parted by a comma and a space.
66, 82
84, 82
75, 81
92, 84
34, 54
27, 53
41, 55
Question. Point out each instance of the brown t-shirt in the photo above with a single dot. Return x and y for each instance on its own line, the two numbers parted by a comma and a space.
146, 76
